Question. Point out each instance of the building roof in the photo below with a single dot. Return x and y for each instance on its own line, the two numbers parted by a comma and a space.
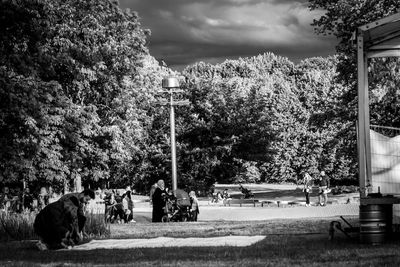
381, 38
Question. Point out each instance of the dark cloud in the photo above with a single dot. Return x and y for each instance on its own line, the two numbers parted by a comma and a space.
187, 31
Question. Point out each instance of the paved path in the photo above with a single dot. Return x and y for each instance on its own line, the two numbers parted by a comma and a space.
250, 213
209, 213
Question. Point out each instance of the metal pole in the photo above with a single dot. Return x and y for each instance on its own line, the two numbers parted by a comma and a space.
171, 84
361, 115
173, 145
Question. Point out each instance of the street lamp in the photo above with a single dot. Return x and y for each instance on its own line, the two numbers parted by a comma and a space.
172, 85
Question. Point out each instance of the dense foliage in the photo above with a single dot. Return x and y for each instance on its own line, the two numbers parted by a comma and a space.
263, 119
80, 97
341, 19
75, 86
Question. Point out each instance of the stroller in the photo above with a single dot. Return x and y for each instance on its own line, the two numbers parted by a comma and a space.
177, 207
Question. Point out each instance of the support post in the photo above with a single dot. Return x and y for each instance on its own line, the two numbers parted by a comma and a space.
367, 127
361, 140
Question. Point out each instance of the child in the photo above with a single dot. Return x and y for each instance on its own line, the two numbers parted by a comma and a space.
127, 204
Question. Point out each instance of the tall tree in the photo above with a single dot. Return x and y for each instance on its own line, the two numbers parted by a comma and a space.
69, 70
341, 19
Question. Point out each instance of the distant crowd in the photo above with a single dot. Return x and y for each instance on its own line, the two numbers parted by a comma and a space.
15, 200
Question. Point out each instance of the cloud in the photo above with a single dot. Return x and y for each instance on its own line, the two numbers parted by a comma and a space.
187, 31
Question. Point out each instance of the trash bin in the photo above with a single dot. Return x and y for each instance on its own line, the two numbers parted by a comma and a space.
375, 223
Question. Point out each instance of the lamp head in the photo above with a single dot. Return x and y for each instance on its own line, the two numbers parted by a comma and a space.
170, 82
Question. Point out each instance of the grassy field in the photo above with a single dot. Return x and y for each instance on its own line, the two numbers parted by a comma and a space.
287, 243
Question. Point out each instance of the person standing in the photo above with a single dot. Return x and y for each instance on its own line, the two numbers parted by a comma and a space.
27, 200
225, 194
324, 184
5, 199
60, 223
307, 187
159, 199
194, 206
127, 204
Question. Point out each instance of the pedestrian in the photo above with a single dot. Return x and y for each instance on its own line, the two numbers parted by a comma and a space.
5, 199
194, 206
127, 204
225, 194
324, 184
27, 200
219, 197
59, 224
159, 201
307, 187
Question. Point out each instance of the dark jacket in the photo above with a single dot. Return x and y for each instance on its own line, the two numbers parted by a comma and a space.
63, 219
159, 199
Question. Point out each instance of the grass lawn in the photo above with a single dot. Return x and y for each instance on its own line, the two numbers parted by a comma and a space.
288, 242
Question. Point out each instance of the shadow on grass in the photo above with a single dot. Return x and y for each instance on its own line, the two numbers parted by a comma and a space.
290, 249
287, 242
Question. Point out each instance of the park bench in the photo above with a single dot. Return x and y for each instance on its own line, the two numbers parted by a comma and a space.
241, 202
280, 203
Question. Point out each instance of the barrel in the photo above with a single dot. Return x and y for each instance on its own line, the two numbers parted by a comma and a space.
375, 223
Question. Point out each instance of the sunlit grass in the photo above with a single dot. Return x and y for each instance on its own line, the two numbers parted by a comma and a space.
288, 242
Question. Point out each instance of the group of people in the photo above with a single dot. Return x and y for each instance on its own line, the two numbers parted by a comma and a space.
220, 196
323, 184
159, 196
119, 207
60, 221
16, 200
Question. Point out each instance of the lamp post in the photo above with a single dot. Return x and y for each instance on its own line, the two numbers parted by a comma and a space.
172, 85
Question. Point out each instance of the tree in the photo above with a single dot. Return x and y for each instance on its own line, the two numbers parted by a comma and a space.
341, 20
243, 118
69, 72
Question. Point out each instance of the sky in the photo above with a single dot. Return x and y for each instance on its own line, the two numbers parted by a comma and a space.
187, 31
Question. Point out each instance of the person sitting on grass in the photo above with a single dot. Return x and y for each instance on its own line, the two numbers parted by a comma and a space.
59, 224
